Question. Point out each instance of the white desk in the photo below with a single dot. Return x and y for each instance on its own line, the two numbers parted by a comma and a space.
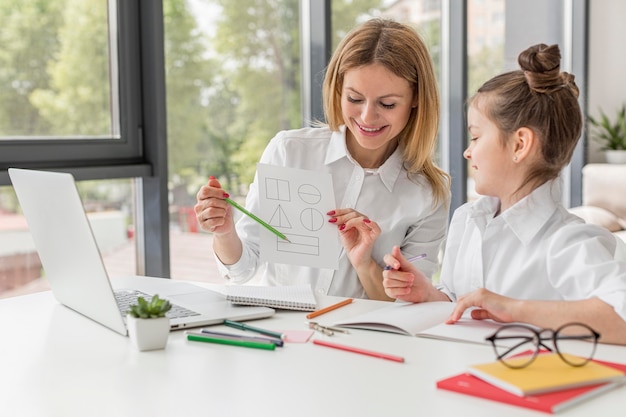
54, 362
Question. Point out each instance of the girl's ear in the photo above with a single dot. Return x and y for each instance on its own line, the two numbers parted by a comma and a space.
524, 142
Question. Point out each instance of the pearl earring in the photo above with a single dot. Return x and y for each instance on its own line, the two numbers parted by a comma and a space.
515, 158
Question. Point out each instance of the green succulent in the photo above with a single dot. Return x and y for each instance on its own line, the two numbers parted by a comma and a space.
612, 135
157, 307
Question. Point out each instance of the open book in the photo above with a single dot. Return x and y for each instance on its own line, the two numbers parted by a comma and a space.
423, 320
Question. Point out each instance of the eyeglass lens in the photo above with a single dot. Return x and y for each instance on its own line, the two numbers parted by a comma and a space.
568, 343
517, 346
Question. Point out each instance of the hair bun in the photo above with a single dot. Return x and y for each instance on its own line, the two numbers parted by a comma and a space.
542, 67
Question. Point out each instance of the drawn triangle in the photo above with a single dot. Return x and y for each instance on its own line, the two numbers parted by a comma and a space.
279, 218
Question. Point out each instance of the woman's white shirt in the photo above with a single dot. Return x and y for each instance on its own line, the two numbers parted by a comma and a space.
534, 250
402, 206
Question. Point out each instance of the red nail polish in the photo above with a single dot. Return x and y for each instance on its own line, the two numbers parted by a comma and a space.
367, 220
343, 226
226, 195
211, 177
333, 220
331, 213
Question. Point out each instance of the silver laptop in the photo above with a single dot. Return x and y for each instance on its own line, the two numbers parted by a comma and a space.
73, 265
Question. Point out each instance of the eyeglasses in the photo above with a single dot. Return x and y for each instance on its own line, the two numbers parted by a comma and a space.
512, 340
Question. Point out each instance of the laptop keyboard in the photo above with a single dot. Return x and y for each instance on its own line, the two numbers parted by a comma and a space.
127, 298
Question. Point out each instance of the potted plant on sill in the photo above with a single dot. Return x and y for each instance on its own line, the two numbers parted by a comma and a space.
148, 326
611, 135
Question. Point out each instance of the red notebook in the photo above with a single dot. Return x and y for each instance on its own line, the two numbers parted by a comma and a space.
551, 402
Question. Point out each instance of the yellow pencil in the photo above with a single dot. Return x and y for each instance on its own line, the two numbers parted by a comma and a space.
329, 308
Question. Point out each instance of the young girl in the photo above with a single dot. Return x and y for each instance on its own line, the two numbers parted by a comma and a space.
516, 253
382, 108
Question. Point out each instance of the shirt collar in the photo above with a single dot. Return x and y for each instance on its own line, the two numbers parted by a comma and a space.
388, 172
337, 146
526, 217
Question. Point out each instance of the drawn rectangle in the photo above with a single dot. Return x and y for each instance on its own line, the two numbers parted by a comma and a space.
277, 189
305, 245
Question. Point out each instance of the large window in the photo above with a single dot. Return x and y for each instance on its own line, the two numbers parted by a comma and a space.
71, 100
143, 100
69, 84
485, 52
57, 79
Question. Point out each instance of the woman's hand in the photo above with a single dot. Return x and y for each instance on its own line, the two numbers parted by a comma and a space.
407, 283
358, 235
213, 213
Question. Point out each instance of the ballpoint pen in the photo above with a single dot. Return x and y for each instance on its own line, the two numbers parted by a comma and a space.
274, 340
199, 337
412, 259
243, 326
255, 218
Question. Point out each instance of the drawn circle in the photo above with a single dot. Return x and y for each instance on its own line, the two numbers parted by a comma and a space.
309, 194
311, 219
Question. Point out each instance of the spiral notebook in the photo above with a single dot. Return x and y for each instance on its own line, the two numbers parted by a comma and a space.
286, 297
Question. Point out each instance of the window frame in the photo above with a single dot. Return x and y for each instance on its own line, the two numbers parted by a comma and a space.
141, 150
63, 152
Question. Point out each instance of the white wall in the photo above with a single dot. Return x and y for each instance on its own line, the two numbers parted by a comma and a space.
607, 61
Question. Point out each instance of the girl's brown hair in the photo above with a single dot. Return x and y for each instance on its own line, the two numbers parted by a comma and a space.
401, 50
541, 98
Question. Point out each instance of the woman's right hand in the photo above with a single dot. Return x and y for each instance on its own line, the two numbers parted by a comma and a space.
214, 214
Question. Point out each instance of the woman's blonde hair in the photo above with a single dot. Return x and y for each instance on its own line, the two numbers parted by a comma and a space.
400, 49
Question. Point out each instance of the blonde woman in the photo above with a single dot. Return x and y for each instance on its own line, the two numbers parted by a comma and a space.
382, 110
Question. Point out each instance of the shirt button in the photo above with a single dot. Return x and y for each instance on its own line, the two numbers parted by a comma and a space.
358, 178
321, 291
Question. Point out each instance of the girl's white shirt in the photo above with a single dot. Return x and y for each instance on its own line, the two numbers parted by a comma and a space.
534, 250
402, 207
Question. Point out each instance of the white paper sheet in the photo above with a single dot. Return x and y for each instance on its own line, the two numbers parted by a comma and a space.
295, 202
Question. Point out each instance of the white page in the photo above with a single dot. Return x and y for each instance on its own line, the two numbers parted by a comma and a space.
295, 202
400, 317
424, 320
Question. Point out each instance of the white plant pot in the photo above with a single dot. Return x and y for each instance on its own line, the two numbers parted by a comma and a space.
615, 156
148, 334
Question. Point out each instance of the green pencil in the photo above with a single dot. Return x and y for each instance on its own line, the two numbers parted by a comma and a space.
255, 218
223, 341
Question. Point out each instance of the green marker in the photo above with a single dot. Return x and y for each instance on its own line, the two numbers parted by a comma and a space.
255, 218
234, 342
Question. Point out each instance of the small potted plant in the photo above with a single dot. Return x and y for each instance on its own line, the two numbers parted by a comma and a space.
148, 326
611, 135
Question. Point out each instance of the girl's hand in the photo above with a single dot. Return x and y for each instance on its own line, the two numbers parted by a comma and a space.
407, 283
489, 306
